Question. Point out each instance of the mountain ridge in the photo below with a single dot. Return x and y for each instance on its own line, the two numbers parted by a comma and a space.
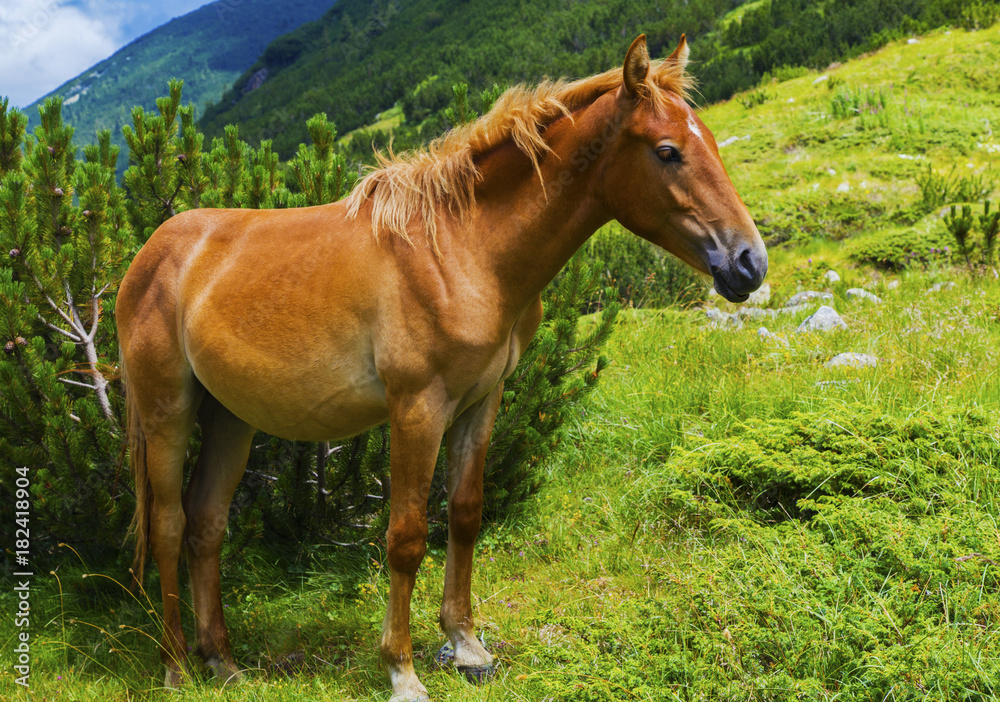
208, 47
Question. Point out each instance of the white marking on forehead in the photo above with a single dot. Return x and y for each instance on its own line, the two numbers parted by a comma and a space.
693, 126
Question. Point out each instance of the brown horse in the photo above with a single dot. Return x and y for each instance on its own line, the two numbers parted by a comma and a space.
410, 301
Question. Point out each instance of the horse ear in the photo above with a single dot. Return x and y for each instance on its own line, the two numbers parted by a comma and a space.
636, 66
681, 53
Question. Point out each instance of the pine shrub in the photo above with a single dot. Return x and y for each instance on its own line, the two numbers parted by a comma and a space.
641, 274
67, 243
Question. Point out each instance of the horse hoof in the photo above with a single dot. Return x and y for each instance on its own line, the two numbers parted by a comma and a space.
477, 674
399, 698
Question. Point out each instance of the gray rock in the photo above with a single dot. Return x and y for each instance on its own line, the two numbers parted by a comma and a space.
719, 318
760, 296
794, 309
755, 312
938, 287
831, 277
823, 319
862, 294
892, 285
807, 296
852, 360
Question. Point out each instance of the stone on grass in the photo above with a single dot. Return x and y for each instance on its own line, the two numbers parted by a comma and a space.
892, 285
831, 277
938, 287
823, 319
852, 360
807, 296
755, 312
760, 296
793, 309
862, 294
719, 318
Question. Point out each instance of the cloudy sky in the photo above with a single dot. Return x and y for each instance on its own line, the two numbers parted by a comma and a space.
44, 43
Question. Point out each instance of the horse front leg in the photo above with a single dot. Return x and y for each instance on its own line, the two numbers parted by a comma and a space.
468, 440
415, 434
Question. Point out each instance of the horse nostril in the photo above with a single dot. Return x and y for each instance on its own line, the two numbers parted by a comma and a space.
746, 264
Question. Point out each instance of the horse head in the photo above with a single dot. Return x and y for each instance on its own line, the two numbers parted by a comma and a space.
665, 181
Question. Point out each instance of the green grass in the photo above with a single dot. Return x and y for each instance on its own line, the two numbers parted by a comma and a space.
384, 121
729, 520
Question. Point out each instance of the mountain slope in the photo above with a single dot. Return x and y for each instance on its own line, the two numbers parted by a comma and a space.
208, 48
365, 56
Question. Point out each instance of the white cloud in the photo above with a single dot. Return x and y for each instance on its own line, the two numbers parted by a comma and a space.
43, 44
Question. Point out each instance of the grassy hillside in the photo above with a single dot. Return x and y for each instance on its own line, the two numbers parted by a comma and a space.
808, 172
209, 48
362, 58
732, 519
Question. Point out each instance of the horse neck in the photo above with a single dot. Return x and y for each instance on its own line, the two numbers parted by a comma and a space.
526, 231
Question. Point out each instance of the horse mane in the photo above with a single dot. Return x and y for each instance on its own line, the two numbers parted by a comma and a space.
444, 175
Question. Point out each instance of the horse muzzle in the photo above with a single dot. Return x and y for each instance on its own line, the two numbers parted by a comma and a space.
739, 274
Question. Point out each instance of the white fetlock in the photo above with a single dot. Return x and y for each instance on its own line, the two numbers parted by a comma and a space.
173, 679
225, 673
405, 685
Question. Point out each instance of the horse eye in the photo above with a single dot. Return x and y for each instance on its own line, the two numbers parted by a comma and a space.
668, 154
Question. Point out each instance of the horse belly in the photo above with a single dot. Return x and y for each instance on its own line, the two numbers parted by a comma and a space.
306, 394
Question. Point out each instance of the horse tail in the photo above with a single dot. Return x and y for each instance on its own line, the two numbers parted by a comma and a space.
140, 476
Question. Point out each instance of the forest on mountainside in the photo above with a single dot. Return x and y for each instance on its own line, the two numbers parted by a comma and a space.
365, 56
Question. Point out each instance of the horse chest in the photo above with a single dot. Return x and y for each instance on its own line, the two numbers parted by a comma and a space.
499, 362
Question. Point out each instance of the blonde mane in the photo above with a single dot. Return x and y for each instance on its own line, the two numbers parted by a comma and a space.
444, 175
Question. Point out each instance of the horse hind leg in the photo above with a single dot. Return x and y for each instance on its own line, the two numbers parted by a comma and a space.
166, 427
225, 447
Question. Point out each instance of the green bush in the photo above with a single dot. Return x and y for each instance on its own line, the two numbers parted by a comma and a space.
778, 469
66, 244
872, 108
975, 237
897, 249
818, 214
980, 15
753, 98
835, 554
